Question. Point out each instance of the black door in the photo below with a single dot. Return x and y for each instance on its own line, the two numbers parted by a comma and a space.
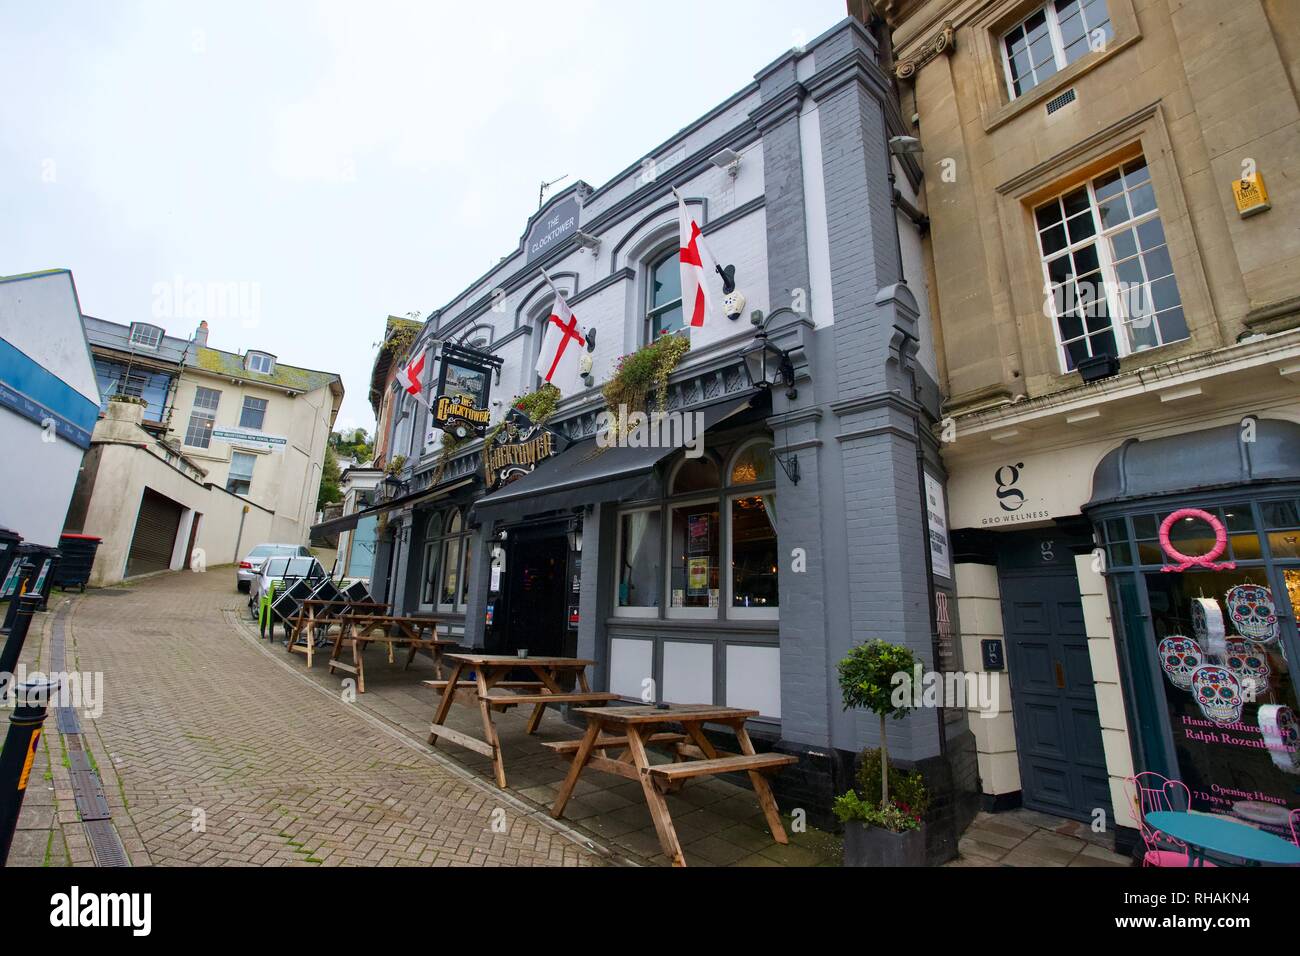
1054, 702
531, 610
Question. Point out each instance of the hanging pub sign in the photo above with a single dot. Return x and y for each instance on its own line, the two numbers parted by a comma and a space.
517, 448
460, 405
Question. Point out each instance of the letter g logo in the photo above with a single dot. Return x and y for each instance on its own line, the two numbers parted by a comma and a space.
1009, 496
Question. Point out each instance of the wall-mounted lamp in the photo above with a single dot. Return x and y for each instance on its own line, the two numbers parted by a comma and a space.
767, 364
575, 537
587, 241
727, 159
391, 487
901, 145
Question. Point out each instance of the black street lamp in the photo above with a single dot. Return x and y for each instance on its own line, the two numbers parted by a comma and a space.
766, 364
392, 487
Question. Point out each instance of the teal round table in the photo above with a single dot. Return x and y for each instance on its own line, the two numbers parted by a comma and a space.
1207, 832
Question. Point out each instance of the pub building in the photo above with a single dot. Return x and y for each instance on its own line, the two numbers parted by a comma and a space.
742, 575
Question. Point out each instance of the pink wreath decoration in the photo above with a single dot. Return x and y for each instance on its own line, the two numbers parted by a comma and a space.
1199, 560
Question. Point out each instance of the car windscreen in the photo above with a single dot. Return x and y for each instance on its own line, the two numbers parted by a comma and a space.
274, 567
304, 568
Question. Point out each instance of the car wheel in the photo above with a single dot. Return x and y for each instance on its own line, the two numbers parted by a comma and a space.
242, 586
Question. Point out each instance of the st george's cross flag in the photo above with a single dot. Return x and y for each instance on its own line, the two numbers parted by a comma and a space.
562, 344
696, 265
411, 373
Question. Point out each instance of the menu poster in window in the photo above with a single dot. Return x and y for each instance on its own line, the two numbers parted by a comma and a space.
697, 534
937, 519
697, 576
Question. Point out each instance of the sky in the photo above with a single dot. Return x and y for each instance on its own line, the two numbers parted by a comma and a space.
294, 171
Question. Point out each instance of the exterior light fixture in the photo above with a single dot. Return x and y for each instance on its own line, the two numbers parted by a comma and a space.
766, 364
575, 537
900, 145
727, 159
392, 487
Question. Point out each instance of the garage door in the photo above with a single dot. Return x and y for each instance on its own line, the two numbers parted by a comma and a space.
155, 534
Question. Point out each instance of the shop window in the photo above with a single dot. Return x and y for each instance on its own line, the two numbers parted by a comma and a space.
1212, 655
752, 534
1050, 39
664, 297
1108, 273
693, 552
640, 575
239, 480
202, 417
450, 592
752, 463
253, 414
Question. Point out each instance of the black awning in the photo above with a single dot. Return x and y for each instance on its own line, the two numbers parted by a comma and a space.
350, 522
586, 474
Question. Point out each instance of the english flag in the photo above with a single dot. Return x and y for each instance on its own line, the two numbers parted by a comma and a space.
410, 375
697, 265
562, 344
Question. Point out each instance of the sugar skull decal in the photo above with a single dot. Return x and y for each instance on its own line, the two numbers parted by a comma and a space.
1179, 656
1207, 620
1281, 733
1249, 665
1252, 612
1218, 693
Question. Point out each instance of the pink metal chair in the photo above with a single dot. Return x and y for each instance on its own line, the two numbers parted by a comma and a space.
1149, 792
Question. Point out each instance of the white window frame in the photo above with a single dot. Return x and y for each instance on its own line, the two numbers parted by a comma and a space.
251, 357
672, 504
151, 345
243, 410
230, 476
446, 538
634, 612
650, 310
1118, 316
1058, 44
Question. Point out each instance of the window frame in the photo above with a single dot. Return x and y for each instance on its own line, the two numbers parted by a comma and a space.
687, 501
1057, 42
243, 412
202, 412
1100, 239
151, 346
251, 355
652, 311
230, 476
634, 612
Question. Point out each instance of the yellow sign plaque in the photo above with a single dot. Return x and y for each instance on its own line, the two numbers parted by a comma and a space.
1251, 195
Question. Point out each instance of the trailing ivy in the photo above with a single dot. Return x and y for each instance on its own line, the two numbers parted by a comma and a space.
640, 374
539, 406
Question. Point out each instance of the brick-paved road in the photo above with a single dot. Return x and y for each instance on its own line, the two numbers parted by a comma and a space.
198, 724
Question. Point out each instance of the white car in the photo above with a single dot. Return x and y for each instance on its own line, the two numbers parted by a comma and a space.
275, 569
252, 562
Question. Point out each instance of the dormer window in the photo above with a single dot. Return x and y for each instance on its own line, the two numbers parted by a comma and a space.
262, 362
145, 336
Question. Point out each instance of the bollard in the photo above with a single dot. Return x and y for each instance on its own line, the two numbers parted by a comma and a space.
20, 580
18, 755
24, 607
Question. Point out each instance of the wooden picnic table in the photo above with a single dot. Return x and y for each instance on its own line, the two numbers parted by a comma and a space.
633, 728
360, 627
490, 673
314, 617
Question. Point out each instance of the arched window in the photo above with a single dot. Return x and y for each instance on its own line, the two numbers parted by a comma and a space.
694, 474
664, 296
446, 562
751, 463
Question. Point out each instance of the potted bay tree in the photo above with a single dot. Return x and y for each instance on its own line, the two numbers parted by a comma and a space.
881, 828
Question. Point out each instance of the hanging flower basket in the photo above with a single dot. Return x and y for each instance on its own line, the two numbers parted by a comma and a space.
640, 374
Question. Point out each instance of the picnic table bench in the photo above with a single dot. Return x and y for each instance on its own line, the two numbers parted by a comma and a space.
361, 628
310, 624
491, 672
634, 728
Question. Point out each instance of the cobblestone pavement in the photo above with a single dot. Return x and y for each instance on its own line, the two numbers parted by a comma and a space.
211, 755
215, 748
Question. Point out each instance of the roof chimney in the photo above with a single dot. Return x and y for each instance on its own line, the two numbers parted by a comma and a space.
201, 334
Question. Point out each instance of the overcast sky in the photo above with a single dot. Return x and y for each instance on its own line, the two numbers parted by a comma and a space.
332, 163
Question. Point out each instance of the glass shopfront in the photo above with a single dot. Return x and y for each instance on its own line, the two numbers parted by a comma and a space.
1204, 591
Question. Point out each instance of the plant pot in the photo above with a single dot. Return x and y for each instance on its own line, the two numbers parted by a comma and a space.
874, 846
1098, 367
